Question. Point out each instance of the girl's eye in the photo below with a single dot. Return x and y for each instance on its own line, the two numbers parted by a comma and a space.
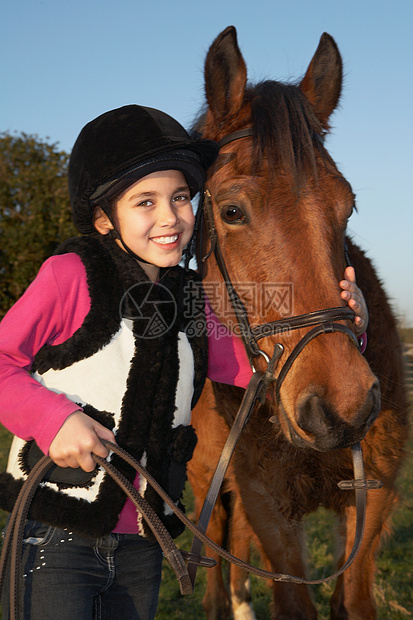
145, 203
181, 198
232, 215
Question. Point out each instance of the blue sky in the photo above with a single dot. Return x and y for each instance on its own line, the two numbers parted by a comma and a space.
63, 62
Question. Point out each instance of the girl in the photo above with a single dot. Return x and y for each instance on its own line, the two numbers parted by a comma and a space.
97, 348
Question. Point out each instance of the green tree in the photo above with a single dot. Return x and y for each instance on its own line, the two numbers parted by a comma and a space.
34, 210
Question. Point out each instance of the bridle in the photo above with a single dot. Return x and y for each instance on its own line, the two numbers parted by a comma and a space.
321, 321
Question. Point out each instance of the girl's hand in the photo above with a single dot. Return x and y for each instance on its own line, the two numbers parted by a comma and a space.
77, 438
354, 298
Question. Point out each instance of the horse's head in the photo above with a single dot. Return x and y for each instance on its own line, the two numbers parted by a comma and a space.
280, 208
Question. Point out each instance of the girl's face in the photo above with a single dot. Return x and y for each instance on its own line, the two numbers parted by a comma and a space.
155, 219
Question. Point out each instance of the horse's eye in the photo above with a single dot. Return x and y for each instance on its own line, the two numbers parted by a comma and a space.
232, 215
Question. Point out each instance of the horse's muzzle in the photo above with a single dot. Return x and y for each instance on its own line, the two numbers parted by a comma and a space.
322, 428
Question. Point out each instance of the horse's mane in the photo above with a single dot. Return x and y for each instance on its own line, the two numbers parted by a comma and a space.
287, 132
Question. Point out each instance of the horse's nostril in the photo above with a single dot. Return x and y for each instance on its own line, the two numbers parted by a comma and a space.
313, 415
375, 403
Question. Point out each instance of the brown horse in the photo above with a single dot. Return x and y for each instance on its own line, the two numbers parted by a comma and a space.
281, 207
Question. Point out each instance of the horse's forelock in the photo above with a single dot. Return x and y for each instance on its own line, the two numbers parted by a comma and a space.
286, 128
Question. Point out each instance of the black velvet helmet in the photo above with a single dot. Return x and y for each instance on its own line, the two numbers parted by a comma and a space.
124, 145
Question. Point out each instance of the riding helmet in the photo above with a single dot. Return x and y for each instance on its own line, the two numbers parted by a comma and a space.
123, 145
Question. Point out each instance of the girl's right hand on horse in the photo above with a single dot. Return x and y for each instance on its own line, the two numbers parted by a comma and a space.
77, 438
355, 299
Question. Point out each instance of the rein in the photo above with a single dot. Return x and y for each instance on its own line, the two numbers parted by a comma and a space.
13, 541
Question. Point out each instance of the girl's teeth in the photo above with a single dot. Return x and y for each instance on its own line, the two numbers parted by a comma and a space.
166, 240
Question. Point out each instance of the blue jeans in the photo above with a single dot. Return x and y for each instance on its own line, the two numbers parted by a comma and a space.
69, 577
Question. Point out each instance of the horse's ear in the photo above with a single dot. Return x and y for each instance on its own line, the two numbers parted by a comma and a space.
322, 82
225, 76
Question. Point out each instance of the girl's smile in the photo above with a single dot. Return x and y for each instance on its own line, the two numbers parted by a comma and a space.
167, 241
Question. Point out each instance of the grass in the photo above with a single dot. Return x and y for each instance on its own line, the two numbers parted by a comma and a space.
394, 579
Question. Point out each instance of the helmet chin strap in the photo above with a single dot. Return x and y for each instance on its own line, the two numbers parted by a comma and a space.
104, 204
116, 235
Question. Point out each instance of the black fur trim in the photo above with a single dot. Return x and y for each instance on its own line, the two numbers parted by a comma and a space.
103, 320
90, 519
183, 443
64, 477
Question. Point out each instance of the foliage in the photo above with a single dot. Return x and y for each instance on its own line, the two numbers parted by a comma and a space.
5, 442
34, 210
406, 334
